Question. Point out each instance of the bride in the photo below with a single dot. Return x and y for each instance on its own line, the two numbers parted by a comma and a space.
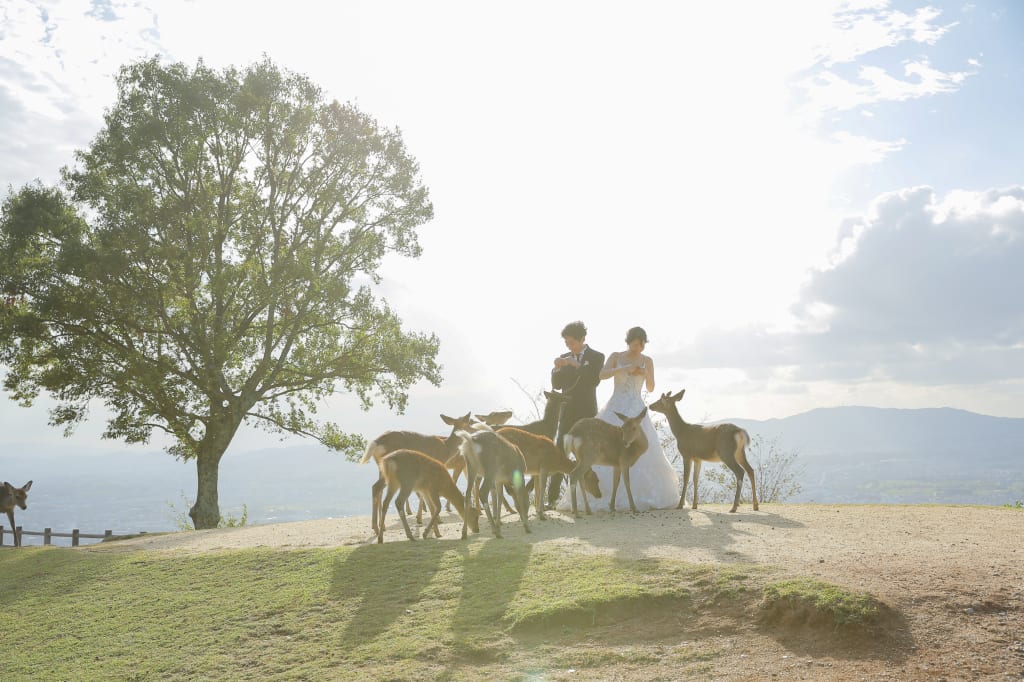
652, 479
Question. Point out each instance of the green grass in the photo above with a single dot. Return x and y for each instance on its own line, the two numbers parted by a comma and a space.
815, 601
436, 610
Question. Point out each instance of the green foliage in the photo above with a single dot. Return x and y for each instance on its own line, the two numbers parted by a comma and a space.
813, 601
207, 261
1019, 504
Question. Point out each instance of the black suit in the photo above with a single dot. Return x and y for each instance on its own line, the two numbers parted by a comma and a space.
579, 384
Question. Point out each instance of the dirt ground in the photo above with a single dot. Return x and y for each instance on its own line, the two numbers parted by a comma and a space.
953, 577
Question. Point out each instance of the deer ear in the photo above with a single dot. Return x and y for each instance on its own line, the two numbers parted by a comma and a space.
642, 413
679, 396
447, 420
621, 416
27, 486
8, 487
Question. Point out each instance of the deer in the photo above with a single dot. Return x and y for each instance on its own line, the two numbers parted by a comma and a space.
495, 418
594, 441
726, 443
11, 497
407, 471
548, 424
441, 449
543, 457
498, 463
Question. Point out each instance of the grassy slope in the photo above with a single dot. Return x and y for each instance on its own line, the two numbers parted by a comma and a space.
434, 610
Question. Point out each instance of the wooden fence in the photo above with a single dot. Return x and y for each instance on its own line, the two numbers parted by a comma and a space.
47, 534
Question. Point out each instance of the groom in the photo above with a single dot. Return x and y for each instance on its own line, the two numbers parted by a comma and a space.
576, 374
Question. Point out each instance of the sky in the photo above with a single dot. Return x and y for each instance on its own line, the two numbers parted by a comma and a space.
805, 204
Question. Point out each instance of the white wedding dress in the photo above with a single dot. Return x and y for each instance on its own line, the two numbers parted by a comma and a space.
653, 480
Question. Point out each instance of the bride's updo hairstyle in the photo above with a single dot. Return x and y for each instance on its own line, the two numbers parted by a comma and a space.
636, 334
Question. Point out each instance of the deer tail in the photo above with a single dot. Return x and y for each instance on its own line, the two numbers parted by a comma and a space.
742, 439
371, 452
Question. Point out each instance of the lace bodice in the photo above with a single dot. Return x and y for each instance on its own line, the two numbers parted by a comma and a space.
626, 394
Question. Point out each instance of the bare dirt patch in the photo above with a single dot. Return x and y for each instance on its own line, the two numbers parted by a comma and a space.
951, 579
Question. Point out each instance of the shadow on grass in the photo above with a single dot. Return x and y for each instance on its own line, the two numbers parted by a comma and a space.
384, 581
29, 572
493, 572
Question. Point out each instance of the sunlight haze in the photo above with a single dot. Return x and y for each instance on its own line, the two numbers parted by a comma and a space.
805, 204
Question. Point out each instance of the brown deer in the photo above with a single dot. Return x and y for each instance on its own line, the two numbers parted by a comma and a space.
11, 497
408, 471
498, 463
726, 443
594, 442
441, 449
542, 457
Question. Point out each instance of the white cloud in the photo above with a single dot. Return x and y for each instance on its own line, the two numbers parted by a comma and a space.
922, 294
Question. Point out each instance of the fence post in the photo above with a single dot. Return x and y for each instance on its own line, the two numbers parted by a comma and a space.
46, 535
17, 535
1, 536
107, 535
74, 538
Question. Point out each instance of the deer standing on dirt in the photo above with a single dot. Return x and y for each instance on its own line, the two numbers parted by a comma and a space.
726, 443
408, 471
441, 449
542, 457
11, 497
594, 442
498, 463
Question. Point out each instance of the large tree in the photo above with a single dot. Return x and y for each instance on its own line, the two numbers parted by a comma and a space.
207, 261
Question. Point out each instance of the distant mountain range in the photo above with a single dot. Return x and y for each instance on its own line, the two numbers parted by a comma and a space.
868, 454
844, 455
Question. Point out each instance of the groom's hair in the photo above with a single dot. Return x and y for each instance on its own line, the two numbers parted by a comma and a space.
576, 330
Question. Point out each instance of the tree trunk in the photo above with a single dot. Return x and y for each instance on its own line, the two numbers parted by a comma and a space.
205, 512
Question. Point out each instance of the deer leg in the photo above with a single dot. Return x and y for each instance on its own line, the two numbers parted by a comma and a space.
629, 491
456, 472
483, 499
686, 481
522, 498
616, 475
419, 510
504, 501
538, 497
400, 504
375, 493
434, 502
742, 460
696, 475
14, 529
586, 500
737, 470
499, 498
383, 512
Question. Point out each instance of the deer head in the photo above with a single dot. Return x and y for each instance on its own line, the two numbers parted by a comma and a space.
631, 428
18, 495
665, 402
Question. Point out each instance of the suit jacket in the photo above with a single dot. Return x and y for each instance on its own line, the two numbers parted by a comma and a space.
579, 384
